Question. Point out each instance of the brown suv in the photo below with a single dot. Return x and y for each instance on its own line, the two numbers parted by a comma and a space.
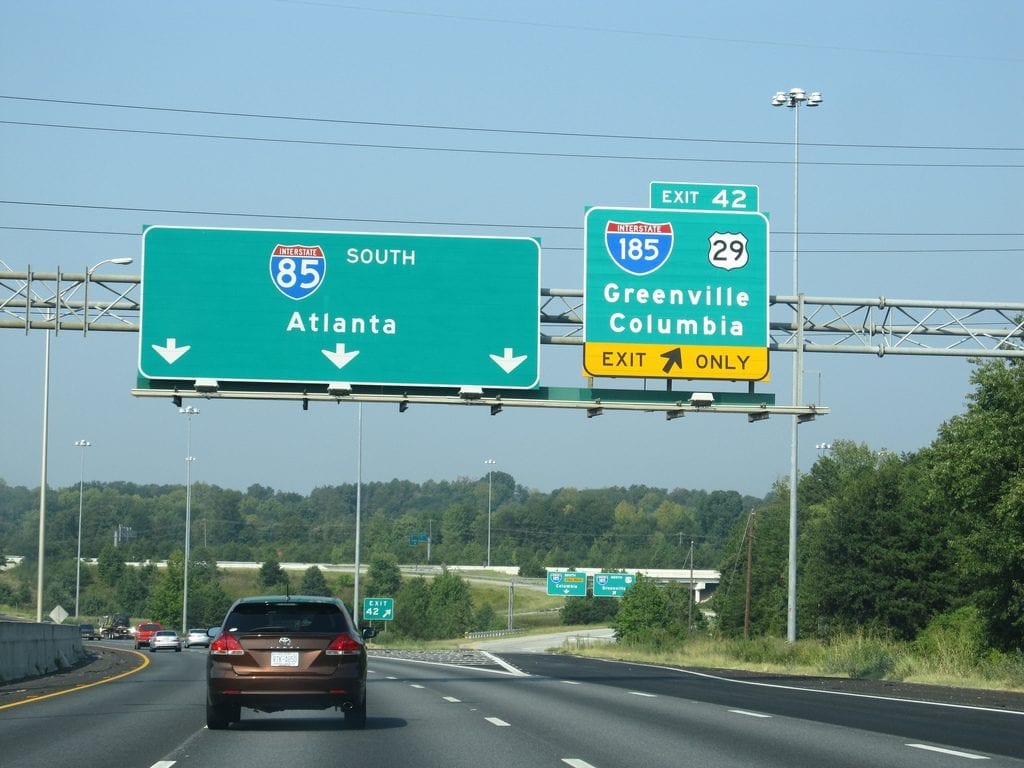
280, 652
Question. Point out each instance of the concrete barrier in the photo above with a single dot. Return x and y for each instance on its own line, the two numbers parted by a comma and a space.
29, 649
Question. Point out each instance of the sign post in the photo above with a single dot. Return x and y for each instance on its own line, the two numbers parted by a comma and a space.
676, 294
319, 307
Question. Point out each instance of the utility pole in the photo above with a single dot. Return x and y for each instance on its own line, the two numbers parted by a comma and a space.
689, 606
750, 561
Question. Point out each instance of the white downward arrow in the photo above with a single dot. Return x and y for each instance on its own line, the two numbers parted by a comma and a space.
172, 351
507, 362
339, 356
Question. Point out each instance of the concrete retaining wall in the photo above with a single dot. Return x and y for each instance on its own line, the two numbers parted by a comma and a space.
30, 650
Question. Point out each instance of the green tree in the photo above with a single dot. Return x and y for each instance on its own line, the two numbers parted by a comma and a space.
383, 576
166, 598
272, 575
450, 613
647, 615
110, 565
313, 582
589, 610
977, 477
412, 604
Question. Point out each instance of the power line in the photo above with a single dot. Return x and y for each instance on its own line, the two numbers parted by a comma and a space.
568, 227
492, 130
493, 152
61, 230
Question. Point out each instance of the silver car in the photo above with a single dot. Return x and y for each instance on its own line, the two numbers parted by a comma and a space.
165, 640
197, 636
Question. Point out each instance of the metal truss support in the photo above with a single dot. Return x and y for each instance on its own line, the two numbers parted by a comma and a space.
66, 301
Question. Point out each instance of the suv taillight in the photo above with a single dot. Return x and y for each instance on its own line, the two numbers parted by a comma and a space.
343, 645
226, 644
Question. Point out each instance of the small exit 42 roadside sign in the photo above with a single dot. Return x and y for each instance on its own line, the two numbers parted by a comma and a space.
378, 608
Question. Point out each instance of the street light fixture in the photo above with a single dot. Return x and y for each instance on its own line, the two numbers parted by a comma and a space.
46, 426
88, 278
793, 99
78, 560
189, 411
490, 469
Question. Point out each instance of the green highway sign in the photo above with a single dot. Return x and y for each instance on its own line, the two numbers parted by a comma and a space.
676, 294
704, 197
378, 608
567, 583
237, 305
612, 584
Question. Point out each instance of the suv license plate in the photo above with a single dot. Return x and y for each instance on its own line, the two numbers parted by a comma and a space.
284, 659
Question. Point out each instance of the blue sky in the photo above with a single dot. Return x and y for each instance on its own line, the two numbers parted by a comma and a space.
499, 119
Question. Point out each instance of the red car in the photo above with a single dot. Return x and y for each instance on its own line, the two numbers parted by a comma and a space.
144, 631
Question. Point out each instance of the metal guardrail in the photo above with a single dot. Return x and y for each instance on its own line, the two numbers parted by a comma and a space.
494, 633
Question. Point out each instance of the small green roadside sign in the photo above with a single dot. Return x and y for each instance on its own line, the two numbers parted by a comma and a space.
567, 583
378, 608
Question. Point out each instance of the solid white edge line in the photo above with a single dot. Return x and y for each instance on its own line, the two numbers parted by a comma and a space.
952, 752
497, 721
706, 675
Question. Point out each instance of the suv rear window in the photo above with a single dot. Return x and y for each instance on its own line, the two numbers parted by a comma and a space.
286, 617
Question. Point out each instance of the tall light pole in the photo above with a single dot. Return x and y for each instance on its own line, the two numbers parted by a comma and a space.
189, 411
46, 430
490, 468
83, 444
793, 99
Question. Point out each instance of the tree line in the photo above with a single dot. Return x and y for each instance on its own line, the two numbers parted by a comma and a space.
887, 543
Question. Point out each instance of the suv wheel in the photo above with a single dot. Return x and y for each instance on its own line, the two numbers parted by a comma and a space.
355, 718
220, 716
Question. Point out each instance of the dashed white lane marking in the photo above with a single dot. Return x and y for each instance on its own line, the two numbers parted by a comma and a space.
641, 693
416, 685
749, 714
952, 752
163, 764
571, 682
497, 721
452, 699
575, 762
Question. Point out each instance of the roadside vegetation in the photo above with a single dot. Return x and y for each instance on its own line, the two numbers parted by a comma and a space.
911, 567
